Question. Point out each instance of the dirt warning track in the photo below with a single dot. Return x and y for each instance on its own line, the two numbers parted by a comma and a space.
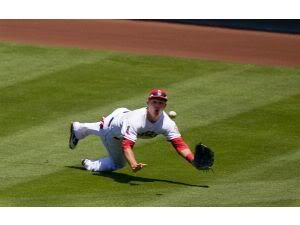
158, 38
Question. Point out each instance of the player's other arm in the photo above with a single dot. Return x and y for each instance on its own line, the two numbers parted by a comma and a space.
127, 146
183, 149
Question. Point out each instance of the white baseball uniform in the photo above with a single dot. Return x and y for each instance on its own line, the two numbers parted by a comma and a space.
123, 123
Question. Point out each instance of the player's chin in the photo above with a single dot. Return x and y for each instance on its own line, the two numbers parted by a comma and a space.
156, 112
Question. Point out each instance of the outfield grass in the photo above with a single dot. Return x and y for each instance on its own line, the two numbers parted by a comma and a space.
248, 114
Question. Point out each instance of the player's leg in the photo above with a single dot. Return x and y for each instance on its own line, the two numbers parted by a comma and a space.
114, 161
73, 140
118, 111
103, 164
81, 130
115, 150
106, 164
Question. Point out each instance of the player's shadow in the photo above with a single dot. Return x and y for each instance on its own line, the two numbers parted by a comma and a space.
131, 180
126, 178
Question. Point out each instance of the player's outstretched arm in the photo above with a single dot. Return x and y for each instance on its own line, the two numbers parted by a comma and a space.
187, 154
127, 146
183, 149
135, 166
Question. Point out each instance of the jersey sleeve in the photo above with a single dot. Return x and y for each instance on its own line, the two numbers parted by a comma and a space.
129, 131
172, 131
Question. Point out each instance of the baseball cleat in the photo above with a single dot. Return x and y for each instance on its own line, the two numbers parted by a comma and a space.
83, 162
73, 140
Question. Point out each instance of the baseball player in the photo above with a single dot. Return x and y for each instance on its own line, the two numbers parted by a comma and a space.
120, 130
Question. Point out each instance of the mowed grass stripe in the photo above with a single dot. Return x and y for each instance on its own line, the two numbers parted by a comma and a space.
224, 94
21, 63
264, 194
180, 185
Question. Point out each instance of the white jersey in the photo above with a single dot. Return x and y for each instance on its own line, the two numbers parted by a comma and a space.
134, 124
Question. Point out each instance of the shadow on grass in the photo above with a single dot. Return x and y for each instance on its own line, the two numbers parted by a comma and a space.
130, 179
76, 167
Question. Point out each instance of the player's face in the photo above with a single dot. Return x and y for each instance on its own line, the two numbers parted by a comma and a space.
156, 106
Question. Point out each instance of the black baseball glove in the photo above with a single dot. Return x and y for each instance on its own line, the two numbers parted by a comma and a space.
204, 157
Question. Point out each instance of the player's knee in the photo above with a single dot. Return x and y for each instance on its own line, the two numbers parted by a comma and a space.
119, 165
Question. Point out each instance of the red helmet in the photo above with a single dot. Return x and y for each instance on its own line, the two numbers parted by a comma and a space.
158, 94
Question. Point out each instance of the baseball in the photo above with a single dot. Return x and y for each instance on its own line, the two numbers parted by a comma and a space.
172, 114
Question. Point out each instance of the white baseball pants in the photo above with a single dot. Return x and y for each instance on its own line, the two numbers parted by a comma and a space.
116, 159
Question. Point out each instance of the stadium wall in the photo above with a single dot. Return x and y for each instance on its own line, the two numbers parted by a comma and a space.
271, 25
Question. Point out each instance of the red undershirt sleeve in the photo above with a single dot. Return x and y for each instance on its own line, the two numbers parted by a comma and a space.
127, 144
179, 144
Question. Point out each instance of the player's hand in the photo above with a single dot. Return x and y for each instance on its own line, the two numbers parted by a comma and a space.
138, 167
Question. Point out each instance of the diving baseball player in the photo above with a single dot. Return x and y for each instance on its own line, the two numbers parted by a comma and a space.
120, 130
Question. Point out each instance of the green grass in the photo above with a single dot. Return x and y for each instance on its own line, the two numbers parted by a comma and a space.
248, 114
